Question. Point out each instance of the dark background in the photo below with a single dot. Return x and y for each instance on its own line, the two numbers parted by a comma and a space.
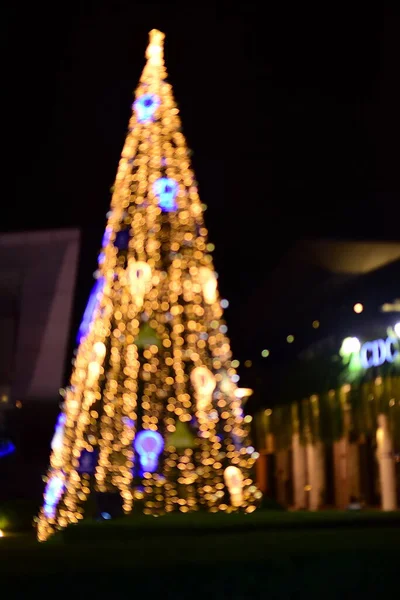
292, 114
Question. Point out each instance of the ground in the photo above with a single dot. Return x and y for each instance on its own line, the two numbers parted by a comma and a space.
265, 555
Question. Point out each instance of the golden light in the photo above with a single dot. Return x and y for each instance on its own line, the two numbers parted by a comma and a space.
234, 482
208, 282
154, 52
204, 384
290, 339
1, 533
316, 324
358, 308
139, 278
265, 353
243, 393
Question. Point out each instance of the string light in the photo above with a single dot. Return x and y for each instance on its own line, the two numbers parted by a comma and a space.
154, 323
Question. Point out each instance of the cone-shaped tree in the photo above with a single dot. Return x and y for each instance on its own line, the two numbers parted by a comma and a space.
152, 409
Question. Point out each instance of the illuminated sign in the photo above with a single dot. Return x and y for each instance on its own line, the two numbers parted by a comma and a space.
377, 352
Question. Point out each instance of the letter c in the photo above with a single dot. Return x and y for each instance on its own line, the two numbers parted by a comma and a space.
390, 354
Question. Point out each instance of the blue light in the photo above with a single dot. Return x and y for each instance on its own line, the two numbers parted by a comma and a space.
106, 516
52, 494
145, 107
106, 237
129, 422
92, 304
166, 190
149, 444
6, 448
377, 352
87, 461
57, 441
122, 238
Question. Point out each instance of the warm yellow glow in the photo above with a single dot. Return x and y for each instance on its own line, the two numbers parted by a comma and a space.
154, 52
204, 384
243, 392
290, 339
139, 279
1, 533
315, 324
358, 308
234, 482
208, 282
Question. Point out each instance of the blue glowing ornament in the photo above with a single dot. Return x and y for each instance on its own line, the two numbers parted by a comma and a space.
6, 448
57, 441
149, 444
145, 107
87, 462
106, 237
122, 239
92, 304
166, 190
53, 492
129, 422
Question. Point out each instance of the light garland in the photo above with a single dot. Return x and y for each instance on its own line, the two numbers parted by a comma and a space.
154, 269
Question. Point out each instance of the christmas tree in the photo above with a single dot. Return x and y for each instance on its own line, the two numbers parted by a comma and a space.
153, 410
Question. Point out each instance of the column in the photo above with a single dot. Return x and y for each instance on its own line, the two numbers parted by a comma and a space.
299, 473
354, 470
261, 473
316, 474
282, 475
340, 470
387, 473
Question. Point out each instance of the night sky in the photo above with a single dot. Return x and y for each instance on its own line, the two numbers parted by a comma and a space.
293, 118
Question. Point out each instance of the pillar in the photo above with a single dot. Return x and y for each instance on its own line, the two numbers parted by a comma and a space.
282, 476
261, 473
299, 472
342, 495
316, 474
387, 473
353, 470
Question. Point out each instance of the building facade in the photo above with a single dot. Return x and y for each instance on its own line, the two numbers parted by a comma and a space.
38, 271
328, 419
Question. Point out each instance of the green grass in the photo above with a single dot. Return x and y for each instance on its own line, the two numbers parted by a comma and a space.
133, 527
282, 555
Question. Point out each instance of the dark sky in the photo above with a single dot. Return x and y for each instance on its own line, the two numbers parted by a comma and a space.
293, 117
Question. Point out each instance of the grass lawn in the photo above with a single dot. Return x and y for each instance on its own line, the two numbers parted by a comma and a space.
264, 555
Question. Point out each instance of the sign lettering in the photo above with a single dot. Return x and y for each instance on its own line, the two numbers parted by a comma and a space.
377, 352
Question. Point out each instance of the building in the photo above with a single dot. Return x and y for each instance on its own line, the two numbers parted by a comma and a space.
38, 272
328, 417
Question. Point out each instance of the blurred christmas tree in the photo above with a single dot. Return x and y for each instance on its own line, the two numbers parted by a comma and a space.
153, 410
